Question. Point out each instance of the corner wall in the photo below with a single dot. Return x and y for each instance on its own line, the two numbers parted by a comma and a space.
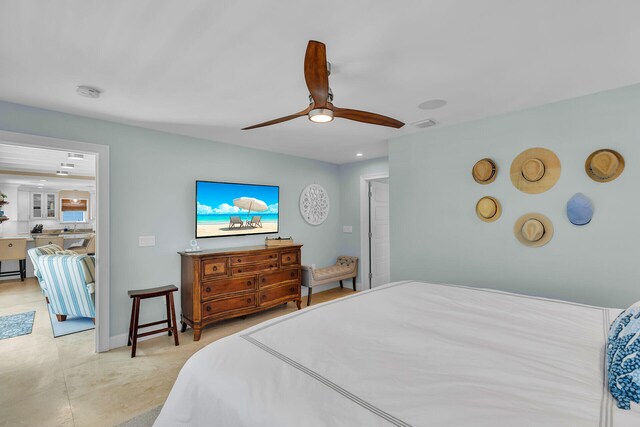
436, 236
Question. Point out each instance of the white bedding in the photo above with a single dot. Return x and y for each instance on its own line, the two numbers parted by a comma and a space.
407, 354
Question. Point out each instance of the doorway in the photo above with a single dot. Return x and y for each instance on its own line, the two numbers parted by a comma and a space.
101, 209
374, 230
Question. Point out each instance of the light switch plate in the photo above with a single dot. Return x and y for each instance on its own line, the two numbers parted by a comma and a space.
347, 229
146, 241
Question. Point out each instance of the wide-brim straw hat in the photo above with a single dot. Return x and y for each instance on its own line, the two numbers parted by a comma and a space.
484, 171
604, 165
535, 170
488, 209
533, 230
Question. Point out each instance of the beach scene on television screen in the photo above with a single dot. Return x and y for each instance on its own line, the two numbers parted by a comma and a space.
234, 209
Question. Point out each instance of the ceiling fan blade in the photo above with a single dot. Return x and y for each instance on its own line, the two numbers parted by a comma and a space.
316, 74
280, 120
366, 117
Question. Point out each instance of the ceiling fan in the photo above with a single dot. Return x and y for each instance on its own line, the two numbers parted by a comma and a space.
321, 108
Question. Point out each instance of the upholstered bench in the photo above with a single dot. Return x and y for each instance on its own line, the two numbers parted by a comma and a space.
346, 267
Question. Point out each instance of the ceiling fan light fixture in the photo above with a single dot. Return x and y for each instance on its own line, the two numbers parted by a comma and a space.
321, 115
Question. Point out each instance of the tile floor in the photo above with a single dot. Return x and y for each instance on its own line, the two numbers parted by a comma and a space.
46, 381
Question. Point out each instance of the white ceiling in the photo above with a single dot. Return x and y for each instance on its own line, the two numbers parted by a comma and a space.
35, 164
208, 68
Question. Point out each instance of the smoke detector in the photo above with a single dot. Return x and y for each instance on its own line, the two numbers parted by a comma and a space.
425, 123
88, 91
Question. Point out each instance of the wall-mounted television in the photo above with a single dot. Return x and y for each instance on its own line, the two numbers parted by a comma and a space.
232, 209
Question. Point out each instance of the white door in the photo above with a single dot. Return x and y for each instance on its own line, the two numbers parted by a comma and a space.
379, 241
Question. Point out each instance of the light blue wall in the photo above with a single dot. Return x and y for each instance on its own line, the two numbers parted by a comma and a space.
350, 174
431, 181
152, 193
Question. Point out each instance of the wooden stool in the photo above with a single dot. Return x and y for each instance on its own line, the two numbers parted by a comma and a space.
140, 294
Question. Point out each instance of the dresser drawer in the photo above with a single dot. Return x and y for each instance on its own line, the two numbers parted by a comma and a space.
289, 258
269, 279
214, 267
220, 306
226, 286
250, 268
247, 259
278, 293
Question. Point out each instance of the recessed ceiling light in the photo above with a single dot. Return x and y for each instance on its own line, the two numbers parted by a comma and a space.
75, 156
67, 165
62, 173
359, 154
432, 104
88, 91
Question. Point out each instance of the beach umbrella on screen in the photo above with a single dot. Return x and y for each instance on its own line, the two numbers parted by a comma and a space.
250, 204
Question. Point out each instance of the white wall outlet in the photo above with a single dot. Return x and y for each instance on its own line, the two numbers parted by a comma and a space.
347, 229
146, 241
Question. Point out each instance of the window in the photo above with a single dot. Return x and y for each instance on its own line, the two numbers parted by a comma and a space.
74, 216
73, 210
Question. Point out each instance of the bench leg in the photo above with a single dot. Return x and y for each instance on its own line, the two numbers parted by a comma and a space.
136, 319
173, 319
166, 302
354, 283
133, 313
309, 297
341, 284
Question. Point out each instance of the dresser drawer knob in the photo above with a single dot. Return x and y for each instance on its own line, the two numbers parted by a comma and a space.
249, 283
208, 308
208, 289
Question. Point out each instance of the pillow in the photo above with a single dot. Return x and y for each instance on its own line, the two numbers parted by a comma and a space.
623, 357
66, 253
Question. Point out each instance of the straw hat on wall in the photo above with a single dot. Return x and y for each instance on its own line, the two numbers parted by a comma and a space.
604, 165
533, 230
488, 209
484, 171
535, 170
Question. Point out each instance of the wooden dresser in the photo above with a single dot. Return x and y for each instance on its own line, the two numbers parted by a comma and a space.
223, 283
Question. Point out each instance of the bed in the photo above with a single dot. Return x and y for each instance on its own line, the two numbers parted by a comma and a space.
408, 354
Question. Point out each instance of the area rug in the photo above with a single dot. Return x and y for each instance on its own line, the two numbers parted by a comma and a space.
15, 325
69, 326
145, 419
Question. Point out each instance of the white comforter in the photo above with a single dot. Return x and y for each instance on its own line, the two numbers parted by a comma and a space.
407, 354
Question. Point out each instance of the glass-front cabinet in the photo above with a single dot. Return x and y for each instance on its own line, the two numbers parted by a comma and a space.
44, 205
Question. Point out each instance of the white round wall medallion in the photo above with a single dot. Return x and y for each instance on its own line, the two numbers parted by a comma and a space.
314, 204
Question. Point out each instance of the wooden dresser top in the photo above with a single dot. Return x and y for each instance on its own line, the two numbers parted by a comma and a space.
237, 250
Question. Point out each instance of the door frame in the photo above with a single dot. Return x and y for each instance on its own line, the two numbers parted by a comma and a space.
102, 221
365, 282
